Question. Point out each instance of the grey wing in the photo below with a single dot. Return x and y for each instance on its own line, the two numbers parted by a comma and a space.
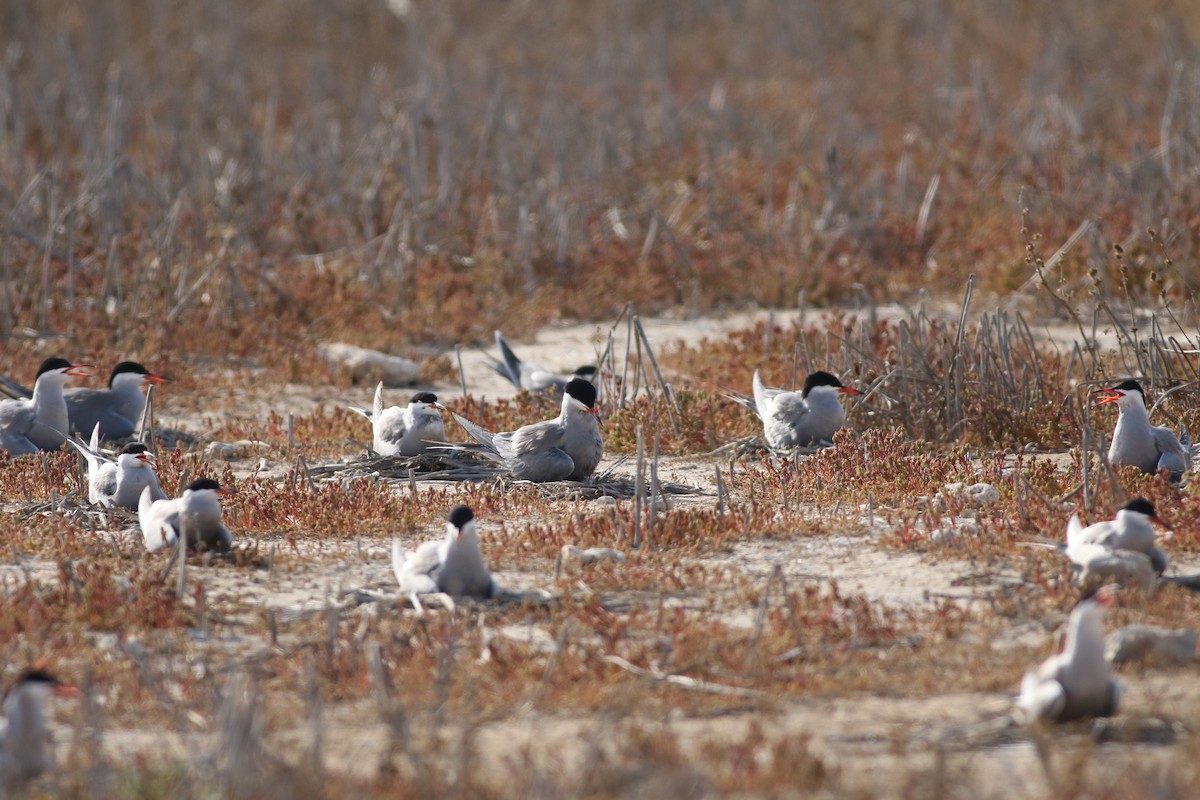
391, 425
13, 389
511, 367
789, 406
17, 418
484, 437
88, 407
1174, 457
763, 394
537, 437
103, 481
742, 400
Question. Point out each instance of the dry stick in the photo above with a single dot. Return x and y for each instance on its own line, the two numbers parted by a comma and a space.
720, 490
682, 681
625, 367
638, 489
291, 430
462, 376
761, 618
767, 334
146, 430
181, 581
672, 409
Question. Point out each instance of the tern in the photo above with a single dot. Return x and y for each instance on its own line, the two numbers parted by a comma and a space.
39, 423
197, 510
533, 377
24, 750
117, 409
119, 482
799, 419
1132, 529
405, 431
568, 447
452, 565
1135, 441
1075, 683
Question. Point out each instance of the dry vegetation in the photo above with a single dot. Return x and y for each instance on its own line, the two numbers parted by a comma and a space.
996, 200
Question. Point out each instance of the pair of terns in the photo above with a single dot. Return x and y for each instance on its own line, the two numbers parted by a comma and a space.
1076, 683
568, 447
129, 481
41, 419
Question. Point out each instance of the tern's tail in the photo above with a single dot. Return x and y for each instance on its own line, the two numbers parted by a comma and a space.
511, 368
484, 437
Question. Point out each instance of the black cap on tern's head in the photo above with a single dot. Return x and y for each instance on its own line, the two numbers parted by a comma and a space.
36, 675
1140, 505
460, 515
581, 390
133, 368
52, 364
424, 397
201, 484
1130, 386
134, 448
820, 378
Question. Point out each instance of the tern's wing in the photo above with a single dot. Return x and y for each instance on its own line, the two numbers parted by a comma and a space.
1074, 531
102, 481
391, 424
415, 571
158, 521
1041, 697
741, 400
789, 406
1174, 458
484, 437
13, 389
17, 416
763, 394
511, 367
537, 437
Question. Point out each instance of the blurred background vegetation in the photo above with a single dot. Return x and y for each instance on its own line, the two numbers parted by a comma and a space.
229, 179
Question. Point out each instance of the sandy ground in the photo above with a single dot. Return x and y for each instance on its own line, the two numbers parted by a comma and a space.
868, 739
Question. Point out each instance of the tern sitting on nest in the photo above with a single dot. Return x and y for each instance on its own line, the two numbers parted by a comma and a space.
1135, 441
568, 447
197, 510
119, 482
452, 565
405, 431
